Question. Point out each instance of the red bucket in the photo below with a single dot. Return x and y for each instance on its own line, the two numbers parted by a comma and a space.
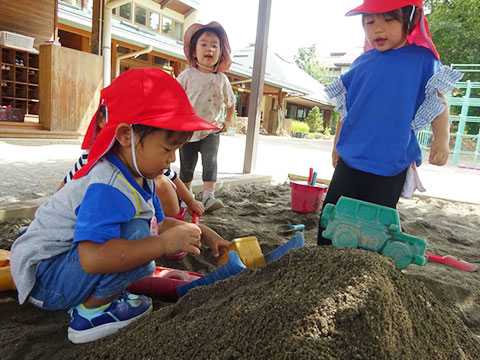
307, 198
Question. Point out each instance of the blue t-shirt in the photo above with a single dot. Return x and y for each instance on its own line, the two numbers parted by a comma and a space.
102, 199
92, 208
384, 90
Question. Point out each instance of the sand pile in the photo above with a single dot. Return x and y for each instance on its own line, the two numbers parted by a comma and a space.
313, 303
317, 303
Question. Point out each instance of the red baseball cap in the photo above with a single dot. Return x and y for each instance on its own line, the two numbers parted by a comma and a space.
145, 96
224, 61
420, 34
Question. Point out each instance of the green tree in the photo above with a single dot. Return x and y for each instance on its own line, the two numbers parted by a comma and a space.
314, 120
455, 30
307, 61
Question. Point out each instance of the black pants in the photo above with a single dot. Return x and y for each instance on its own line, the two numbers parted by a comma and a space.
381, 190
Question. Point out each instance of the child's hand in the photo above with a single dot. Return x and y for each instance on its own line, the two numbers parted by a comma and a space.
438, 152
182, 237
335, 157
225, 126
214, 241
195, 206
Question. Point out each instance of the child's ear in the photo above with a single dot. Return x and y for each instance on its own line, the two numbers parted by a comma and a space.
123, 134
416, 19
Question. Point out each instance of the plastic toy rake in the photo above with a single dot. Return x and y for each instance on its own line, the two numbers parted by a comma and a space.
453, 262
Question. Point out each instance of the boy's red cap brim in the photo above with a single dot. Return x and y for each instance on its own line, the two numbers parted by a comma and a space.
148, 97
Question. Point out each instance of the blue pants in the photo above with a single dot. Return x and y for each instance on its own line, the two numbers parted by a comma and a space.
62, 283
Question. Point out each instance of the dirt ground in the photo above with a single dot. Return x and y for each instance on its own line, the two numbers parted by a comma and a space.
313, 303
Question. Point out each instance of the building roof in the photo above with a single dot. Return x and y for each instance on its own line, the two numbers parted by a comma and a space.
279, 72
282, 73
342, 58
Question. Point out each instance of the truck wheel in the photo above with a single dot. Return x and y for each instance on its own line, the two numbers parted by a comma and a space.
399, 253
345, 237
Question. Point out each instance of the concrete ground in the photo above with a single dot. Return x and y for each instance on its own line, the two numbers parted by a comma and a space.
31, 170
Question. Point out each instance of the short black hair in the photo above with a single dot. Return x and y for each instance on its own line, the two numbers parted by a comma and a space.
144, 130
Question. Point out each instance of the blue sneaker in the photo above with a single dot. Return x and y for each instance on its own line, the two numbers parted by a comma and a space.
92, 324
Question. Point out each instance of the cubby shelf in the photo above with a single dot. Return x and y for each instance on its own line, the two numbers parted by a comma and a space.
19, 79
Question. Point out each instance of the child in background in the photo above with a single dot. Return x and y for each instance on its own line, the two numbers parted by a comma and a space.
99, 234
389, 93
208, 51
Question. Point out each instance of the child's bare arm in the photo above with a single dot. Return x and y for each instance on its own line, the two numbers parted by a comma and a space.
228, 118
183, 193
335, 155
120, 255
441, 137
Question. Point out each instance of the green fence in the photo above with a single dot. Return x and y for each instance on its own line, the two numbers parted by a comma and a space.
465, 97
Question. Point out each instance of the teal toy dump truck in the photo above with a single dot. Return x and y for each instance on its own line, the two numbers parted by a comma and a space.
360, 224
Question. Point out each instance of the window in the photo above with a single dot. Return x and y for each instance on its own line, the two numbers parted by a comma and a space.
154, 21
167, 25
160, 61
178, 31
143, 57
140, 15
122, 50
125, 11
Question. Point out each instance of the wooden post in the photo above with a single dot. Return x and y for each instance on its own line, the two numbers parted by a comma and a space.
254, 108
97, 21
55, 21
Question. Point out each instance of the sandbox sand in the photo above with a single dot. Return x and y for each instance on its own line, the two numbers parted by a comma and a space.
313, 303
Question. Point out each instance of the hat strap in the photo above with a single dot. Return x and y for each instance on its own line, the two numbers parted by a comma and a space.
134, 157
411, 17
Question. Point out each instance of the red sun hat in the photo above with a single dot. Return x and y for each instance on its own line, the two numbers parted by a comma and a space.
224, 61
145, 96
420, 34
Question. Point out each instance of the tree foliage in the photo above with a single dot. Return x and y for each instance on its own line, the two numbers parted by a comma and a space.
314, 120
455, 29
307, 60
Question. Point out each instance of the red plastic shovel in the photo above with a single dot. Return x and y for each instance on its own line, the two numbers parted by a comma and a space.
453, 262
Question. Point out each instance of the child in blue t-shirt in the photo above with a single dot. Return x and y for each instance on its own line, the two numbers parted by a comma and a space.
101, 231
389, 93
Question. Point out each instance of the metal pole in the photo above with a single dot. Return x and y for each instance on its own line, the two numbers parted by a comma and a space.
260, 57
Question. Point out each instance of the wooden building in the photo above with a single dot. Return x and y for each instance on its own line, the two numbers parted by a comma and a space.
59, 87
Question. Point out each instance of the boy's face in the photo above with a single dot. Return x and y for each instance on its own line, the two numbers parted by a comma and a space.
207, 50
157, 151
383, 32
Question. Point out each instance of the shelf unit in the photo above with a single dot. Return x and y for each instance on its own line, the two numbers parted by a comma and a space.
19, 79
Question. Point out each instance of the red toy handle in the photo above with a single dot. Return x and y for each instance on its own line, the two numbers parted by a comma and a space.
310, 176
453, 262
195, 218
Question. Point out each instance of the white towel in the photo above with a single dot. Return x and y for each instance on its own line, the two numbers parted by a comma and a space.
412, 182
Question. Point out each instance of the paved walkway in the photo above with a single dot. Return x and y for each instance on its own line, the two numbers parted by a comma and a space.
30, 171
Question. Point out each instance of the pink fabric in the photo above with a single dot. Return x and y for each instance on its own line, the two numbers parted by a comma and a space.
412, 182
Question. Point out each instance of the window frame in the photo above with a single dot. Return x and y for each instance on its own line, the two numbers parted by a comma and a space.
161, 17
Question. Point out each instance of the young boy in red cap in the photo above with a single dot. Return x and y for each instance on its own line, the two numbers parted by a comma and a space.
208, 88
96, 236
389, 93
